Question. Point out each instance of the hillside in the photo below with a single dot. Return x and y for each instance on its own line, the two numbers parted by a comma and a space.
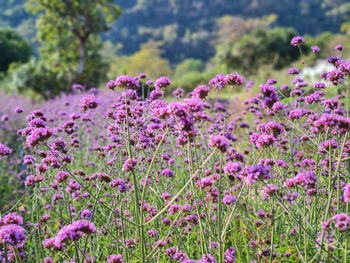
189, 28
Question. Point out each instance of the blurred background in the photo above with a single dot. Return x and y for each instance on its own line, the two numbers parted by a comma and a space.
48, 45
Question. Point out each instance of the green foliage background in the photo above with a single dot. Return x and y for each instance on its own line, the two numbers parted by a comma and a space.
186, 40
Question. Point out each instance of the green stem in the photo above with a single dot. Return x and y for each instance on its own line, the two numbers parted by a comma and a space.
138, 208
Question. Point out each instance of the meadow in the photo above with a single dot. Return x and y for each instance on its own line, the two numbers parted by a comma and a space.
136, 173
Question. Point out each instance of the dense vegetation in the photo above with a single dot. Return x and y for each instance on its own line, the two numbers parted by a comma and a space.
88, 41
126, 176
207, 167
189, 28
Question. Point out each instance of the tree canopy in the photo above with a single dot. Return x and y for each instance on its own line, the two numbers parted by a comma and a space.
12, 48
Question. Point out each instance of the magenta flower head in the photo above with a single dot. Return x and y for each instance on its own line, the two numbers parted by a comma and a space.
85, 214
78, 87
230, 255
249, 84
38, 135
111, 85
18, 110
125, 81
201, 92
115, 259
162, 83
219, 81
178, 93
234, 79
315, 49
142, 76
229, 199
346, 193
73, 232
11, 218
207, 258
339, 47
168, 173
220, 142
88, 102
293, 71
149, 82
4, 150
319, 85
206, 181
297, 41
4, 118
13, 235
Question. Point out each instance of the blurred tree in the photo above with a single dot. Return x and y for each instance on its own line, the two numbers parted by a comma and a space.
12, 48
34, 79
188, 65
147, 60
69, 30
232, 28
271, 47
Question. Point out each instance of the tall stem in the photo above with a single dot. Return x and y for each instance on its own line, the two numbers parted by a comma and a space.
219, 211
136, 194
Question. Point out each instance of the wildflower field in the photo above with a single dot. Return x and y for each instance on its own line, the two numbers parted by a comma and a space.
137, 173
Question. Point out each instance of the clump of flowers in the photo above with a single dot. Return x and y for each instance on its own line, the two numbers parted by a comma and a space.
72, 232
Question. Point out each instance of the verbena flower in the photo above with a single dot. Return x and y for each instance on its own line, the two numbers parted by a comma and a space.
297, 41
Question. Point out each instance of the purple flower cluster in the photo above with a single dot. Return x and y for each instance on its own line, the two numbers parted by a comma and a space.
297, 41
125, 81
88, 102
72, 232
4, 150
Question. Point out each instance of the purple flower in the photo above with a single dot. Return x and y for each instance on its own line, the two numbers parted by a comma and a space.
38, 135
162, 83
129, 165
229, 199
234, 79
115, 259
111, 85
85, 214
149, 82
178, 93
346, 193
297, 41
257, 172
125, 81
249, 84
206, 181
342, 222
293, 71
11, 218
271, 81
219, 81
207, 258
319, 85
220, 142
333, 60
88, 102
4, 118
230, 255
74, 232
233, 168
77, 86
269, 191
201, 92
4, 150
168, 173
339, 47
315, 49
13, 235
18, 110
47, 260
